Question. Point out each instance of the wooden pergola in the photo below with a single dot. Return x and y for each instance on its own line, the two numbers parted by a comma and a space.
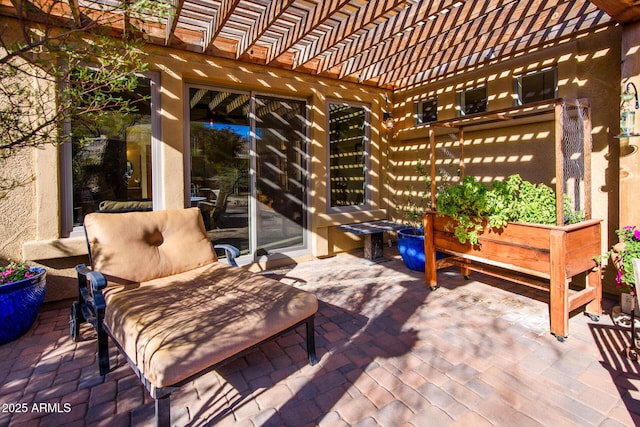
391, 44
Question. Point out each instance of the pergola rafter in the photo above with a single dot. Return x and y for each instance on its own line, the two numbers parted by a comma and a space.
354, 22
499, 14
386, 43
303, 27
509, 24
274, 10
507, 49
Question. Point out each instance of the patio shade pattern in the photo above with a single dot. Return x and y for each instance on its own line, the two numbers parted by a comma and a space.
392, 44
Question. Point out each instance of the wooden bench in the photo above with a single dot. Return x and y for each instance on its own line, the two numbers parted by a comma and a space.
373, 232
156, 289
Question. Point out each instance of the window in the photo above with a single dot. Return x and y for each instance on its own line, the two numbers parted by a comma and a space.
472, 100
426, 111
536, 86
348, 145
109, 159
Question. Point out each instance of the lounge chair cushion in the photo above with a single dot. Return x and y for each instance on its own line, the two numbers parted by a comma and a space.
157, 244
156, 327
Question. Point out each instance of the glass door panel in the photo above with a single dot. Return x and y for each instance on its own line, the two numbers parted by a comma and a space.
220, 141
281, 173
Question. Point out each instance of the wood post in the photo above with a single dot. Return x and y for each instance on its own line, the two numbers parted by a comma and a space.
559, 285
430, 252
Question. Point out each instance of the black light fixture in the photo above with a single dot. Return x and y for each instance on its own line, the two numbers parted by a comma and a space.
388, 120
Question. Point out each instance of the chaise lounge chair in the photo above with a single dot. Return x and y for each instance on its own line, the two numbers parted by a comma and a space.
158, 291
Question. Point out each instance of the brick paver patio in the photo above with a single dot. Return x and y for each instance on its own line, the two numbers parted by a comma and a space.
393, 353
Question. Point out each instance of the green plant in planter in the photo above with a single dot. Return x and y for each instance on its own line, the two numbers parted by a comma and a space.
622, 255
470, 204
15, 272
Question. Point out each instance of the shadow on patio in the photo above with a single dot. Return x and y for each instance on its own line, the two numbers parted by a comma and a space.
391, 351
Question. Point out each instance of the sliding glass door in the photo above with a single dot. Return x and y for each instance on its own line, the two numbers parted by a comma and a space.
248, 169
281, 172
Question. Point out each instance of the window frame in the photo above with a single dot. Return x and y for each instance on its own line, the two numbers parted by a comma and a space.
518, 87
253, 209
419, 116
366, 205
67, 228
462, 94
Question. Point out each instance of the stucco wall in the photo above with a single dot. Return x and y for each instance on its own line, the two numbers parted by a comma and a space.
17, 203
587, 68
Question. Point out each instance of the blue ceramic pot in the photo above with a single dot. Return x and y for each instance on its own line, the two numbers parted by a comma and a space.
19, 305
411, 247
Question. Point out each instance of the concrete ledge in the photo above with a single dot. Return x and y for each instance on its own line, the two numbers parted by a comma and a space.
54, 248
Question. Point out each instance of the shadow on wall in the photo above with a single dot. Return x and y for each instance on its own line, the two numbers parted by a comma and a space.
61, 280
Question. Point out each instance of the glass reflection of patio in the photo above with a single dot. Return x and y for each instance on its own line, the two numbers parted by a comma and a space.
392, 353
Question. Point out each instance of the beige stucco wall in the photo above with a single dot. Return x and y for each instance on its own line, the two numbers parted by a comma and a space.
588, 68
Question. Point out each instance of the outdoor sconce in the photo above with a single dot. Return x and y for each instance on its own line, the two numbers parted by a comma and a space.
628, 111
388, 120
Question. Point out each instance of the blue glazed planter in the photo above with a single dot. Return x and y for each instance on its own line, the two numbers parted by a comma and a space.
19, 305
411, 247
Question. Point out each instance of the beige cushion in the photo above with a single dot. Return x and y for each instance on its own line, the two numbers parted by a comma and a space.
176, 326
140, 246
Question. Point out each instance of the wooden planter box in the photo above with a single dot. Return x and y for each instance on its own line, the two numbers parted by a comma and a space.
541, 256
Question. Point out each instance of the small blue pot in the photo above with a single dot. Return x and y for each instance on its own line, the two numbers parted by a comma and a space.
411, 247
19, 305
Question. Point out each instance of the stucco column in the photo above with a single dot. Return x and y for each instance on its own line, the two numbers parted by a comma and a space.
172, 149
629, 153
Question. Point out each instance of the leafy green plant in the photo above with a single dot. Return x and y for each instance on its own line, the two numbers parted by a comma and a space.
471, 204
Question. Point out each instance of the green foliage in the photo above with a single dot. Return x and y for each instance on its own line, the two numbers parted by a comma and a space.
466, 203
623, 254
471, 204
15, 272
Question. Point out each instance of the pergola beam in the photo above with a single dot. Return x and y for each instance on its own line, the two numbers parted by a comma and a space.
272, 13
354, 23
303, 27
172, 21
579, 25
369, 39
222, 16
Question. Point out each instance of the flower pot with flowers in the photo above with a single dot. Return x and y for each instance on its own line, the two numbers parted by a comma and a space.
622, 255
22, 290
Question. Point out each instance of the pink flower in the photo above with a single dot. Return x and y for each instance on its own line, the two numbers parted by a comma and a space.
636, 234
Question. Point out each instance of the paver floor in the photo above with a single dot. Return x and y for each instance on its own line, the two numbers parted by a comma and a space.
392, 353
